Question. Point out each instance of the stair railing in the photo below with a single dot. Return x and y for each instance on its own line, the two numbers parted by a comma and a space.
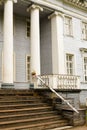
58, 95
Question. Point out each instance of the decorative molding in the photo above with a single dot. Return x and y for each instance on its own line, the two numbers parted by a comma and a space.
83, 49
15, 1
78, 3
33, 7
61, 9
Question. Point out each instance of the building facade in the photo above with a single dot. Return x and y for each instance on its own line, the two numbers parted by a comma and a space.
48, 37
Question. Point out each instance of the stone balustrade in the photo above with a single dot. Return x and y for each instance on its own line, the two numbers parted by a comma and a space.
60, 81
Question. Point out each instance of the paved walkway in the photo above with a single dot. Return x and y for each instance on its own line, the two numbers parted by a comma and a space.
79, 128
73, 128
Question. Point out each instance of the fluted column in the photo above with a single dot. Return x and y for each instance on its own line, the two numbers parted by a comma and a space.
57, 43
35, 38
8, 42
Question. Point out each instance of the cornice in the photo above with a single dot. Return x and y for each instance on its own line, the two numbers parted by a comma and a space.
58, 8
77, 3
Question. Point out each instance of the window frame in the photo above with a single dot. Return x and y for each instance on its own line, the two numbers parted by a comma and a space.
27, 68
73, 67
84, 56
14, 66
27, 27
70, 26
84, 35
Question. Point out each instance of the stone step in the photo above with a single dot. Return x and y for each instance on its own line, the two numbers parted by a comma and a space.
22, 110
53, 117
30, 123
19, 101
15, 97
26, 110
16, 91
28, 115
17, 106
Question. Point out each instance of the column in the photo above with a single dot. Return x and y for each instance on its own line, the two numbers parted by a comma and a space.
8, 44
35, 38
57, 43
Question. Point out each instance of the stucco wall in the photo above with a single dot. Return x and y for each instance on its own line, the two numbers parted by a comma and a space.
72, 45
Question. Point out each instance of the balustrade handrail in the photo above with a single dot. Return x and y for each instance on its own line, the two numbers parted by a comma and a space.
61, 75
58, 95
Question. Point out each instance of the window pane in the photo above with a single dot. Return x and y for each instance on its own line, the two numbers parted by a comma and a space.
68, 25
69, 64
85, 78
28, 68
28, 27
84, 31
85, 68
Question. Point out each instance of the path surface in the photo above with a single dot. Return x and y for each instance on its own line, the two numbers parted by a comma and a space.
79, 128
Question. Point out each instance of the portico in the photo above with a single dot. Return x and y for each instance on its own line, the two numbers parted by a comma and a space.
8, 42
46, 52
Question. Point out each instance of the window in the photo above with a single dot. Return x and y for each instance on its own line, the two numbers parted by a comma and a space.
28, 27
69, 64
85, 69
84, 31
14, 25
14, 66
68, 26
28, 68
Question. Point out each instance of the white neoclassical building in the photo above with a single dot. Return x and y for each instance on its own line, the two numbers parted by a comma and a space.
48, 37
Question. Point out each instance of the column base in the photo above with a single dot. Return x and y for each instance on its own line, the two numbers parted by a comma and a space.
7, 86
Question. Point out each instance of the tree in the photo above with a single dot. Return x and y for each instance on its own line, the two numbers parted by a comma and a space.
82, 1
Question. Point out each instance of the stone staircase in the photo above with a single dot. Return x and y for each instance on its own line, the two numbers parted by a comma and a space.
26, 110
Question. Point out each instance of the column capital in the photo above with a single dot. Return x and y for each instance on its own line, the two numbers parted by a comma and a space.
15, 1
33, 7
1, 1
56, 13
